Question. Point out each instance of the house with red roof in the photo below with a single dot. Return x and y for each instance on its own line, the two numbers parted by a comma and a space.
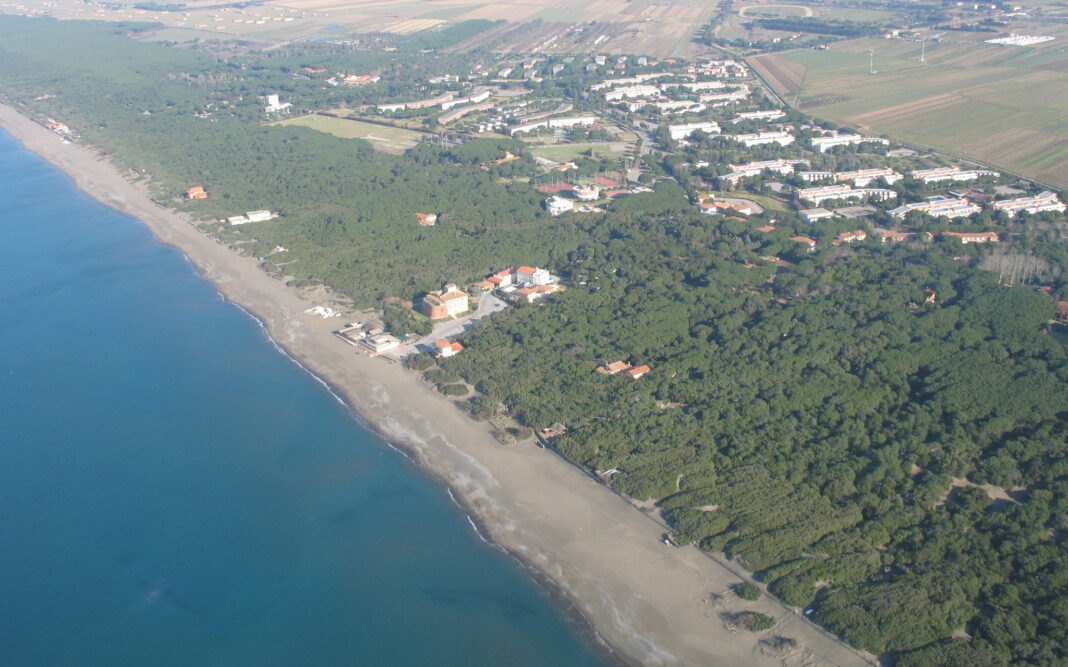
638, 372
445, 348
613, 368
974, 237
427, 219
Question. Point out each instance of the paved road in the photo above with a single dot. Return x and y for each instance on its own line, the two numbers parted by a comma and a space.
487, 305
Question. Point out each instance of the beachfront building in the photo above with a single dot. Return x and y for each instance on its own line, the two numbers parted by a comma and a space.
761, 138
939, 208
379, 343
678, 132
863, 177
251, 216
447, 302
1044, 201
833, 140
974, 237
557, 205
950, 174
445, 348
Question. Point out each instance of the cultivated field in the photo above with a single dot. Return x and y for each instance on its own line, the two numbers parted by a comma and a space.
658, 28
1003, 105
383, 138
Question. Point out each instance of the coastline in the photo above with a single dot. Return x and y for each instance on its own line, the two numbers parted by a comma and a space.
650, 603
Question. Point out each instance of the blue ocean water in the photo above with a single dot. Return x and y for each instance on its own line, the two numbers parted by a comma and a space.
173, 490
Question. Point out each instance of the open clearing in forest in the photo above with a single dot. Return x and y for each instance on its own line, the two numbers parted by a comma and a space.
1001, 105
383, 138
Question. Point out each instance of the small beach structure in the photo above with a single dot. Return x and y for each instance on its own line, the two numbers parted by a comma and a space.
379, 344
554, 430
251, 216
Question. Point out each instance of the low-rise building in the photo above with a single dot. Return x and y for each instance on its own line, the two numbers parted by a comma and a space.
379, 343
863, 177
447, 302
445, 348
196, 192
274, 106
632, 91
682, 131
390, 108
532, 276
638, 372
890, 235
811, 215
760, 138
1044, 201
426, 219
833, 140
812, 176
950, 174
773, 114
939, 208
556, 205
828, 192
613, 368
849, 237
804, 240
974, 237
587, 192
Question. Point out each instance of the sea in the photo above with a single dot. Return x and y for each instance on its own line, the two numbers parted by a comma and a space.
174, 490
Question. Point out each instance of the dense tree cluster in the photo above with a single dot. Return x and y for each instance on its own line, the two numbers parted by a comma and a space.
811, 414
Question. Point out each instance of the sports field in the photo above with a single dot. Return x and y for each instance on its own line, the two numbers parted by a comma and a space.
1002, 105
569, 152
383, 138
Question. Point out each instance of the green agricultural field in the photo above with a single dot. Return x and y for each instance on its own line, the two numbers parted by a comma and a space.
1002, 105
383, 138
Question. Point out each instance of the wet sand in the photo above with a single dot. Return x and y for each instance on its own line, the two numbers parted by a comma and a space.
652, 604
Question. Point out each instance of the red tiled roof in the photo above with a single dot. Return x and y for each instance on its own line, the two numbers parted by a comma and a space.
526, 269
639, 371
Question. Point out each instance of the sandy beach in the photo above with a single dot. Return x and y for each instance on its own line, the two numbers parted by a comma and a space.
653, 604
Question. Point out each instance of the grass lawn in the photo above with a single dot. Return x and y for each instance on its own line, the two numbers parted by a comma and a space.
569, 152
383, 138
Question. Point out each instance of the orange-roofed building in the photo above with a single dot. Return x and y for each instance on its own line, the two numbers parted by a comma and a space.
196, 192
806, 240
766, 229
444, 303
427, 219
444, 348
638, 372
613, 368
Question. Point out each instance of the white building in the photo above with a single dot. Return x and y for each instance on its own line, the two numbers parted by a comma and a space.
556, 205
824, 144
572, 121
682, 131
949, 174
274, 106
632, 91
380, 343
811, 215
587, 192
810, 176
390, 108
1044, 201
532, 276
760, 138
816, 196
940, 208
758, 115
863, 177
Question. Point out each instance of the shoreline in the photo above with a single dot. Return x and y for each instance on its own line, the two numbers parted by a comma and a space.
646, 602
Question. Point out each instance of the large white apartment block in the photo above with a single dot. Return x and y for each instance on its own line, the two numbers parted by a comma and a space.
940, 208
682, 131
698, 86
632, 91
637, 78
810, 176
772, 114
735, 95
863, 177
740, 171
1044, 201
824, 144
759, 138
816, 196
572, 121
950, 174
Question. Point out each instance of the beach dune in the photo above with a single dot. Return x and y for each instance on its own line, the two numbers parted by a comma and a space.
652, 603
